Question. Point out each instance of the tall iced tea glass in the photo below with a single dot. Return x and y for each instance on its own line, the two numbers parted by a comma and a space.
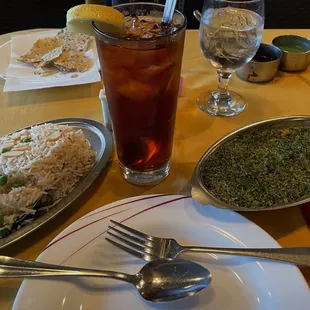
141, 77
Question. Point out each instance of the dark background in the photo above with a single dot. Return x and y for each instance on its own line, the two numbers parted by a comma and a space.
28, 14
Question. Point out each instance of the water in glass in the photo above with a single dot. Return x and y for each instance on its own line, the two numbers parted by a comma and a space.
230, 37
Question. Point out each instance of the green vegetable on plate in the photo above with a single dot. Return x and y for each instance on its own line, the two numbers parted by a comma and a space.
16, 185
4, 232
3, 180
261, 168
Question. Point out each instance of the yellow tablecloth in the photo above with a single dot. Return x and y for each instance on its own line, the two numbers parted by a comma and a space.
288, 94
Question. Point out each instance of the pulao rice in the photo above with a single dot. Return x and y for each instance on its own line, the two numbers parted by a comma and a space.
47, 158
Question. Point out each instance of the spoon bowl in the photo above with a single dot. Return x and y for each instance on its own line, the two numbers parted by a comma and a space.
161, 280
171, 279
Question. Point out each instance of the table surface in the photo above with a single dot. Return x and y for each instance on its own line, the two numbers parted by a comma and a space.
287, 94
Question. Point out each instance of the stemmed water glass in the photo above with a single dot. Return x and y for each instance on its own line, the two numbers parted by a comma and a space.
230, 34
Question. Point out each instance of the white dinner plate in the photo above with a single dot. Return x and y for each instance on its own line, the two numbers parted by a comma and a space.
238, 283
5, 51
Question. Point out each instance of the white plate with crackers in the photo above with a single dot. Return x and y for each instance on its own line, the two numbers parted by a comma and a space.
5, 50
50, 58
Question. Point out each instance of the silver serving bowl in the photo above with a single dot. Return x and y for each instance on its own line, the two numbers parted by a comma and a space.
293, 61
101, 142
261, 71
203, 196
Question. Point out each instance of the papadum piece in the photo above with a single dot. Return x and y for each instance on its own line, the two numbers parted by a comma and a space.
39, 49
50, 56
73, 61
46, 72
72, 41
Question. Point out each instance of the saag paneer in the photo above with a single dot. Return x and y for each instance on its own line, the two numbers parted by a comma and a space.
261, 168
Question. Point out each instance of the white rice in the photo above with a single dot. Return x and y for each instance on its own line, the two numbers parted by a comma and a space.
50, 165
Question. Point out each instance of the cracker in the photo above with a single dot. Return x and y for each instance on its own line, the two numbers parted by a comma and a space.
62, 69
50, 56
40, 71
64, 53
73, 61
39, 49
72, 41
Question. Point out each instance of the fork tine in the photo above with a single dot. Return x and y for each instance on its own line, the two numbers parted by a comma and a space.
131, 244
131, 237
134, 231
146, 257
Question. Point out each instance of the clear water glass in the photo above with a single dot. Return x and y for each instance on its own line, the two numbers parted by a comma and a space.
230, 34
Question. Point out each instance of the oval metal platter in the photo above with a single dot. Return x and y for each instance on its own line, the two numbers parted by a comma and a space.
101, 142
203, 196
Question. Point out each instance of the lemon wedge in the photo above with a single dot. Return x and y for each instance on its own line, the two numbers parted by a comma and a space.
79, 18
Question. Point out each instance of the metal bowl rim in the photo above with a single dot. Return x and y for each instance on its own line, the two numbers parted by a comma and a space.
292, 53
271, 61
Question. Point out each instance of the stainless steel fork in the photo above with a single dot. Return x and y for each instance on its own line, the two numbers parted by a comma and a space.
148, 247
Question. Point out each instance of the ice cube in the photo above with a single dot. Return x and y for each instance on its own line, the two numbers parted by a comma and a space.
150, 29
133, 26
136, 90
116, 76
156, 70
157, 76
131, 22
136, 28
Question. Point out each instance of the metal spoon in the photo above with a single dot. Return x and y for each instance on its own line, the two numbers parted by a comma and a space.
158, 281
197, 14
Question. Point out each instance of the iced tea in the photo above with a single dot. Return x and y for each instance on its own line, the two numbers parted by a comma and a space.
141, 74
